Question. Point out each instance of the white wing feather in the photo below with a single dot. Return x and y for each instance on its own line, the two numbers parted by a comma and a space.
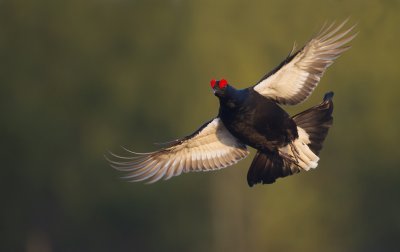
212, 147
300, 73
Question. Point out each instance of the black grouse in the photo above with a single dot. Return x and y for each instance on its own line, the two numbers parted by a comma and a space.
285, 145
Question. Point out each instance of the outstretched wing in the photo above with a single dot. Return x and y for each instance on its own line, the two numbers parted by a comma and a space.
298, 75
211, 147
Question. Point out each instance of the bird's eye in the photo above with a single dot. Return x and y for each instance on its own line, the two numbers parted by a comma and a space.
212, 83
223, 83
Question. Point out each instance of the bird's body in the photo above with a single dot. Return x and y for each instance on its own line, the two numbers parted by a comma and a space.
256, 120
252, 117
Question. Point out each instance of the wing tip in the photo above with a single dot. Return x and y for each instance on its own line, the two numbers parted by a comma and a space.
334, 33
329, 96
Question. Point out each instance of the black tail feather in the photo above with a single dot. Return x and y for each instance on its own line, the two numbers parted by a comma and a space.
316, 121
266, 168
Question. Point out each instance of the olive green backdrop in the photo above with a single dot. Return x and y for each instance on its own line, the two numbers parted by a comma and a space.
79, 78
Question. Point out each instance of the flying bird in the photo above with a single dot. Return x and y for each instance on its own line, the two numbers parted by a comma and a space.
253, 117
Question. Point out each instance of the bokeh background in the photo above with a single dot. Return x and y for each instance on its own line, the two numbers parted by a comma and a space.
79, 78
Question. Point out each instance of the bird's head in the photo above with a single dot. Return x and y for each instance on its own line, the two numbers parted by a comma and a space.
219, 87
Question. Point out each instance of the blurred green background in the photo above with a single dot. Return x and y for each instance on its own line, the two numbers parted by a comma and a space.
79, 78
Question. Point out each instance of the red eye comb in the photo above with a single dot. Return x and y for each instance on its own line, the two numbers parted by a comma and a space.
212, 83
223, 83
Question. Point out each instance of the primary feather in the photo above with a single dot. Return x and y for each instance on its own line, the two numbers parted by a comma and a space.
300, 73
211, 147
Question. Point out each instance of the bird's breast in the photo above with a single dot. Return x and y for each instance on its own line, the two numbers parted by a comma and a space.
261, 126
241, 126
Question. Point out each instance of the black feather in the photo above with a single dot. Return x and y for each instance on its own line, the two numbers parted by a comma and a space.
267, 166
316, 121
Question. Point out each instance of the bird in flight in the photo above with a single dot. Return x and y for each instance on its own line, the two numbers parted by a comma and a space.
253, 117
